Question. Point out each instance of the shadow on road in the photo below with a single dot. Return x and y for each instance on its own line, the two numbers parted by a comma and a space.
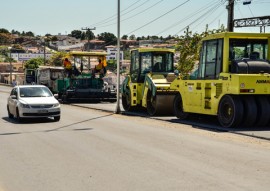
46, 120
204, 122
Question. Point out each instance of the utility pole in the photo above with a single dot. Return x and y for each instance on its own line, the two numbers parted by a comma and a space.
44, 51
88, 37
117, 109
10, 66
230, 8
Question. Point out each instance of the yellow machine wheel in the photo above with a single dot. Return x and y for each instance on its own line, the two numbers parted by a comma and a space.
250, 111
263, 111
126, 102
230, 111
178, 108
151, 105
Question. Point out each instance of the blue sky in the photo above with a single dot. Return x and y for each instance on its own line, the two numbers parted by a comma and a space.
138, 17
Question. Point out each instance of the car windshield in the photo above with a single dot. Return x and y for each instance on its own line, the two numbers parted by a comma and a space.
35, 92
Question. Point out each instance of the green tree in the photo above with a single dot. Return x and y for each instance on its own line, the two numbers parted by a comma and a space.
154, 37
15, 32
29, 33
4, 51
5, 55
34, 63
57, 58
124, 37
83, 36
109, 38
76, 33
54, 38
2, 30
132, 37
127, 55
189, 46
89, 34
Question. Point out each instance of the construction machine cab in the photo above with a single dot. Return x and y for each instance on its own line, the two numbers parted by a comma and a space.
154, 60
246, 53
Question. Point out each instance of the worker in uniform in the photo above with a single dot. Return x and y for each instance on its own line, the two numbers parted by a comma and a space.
101, 67
68, 67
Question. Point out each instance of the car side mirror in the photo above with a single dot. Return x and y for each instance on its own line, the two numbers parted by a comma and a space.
13, 97
56, 96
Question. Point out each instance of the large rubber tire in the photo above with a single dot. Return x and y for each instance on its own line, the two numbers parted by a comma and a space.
230, 111
268, 97
65, 99
151, 104
263, 111
9, 114
178, 108
250, 111
126, 102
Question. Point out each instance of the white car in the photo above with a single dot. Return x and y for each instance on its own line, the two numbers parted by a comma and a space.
32, 101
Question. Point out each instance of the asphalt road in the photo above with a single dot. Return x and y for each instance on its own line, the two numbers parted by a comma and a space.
95, 150
208, 123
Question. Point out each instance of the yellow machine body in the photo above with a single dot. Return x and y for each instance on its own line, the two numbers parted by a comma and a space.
230, 82
148, 84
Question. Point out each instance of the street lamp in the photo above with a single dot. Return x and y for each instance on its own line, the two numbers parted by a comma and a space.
10, 66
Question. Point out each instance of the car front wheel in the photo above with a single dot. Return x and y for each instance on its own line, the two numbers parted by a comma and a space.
9, 114
18, 115
57, 118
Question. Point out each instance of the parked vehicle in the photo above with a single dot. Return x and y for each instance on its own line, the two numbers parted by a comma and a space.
85, 83
32, 101
148, 84
44, 75
232, 81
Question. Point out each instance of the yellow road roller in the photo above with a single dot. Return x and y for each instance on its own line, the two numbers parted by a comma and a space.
232, 81
148, 84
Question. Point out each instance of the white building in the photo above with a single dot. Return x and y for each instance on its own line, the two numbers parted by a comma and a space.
28, 56
112, 53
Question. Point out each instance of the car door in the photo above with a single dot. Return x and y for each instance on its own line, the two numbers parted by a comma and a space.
12, 101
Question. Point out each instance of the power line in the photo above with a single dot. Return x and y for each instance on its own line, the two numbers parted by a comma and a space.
160, 16
200, 17
147, 9
250, 10
115, 15
123, 13
209, 14
187, 17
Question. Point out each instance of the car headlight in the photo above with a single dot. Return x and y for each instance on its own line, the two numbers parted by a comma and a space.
56, 105
25, 105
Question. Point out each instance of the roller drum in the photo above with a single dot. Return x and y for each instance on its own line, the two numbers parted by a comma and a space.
160, 105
